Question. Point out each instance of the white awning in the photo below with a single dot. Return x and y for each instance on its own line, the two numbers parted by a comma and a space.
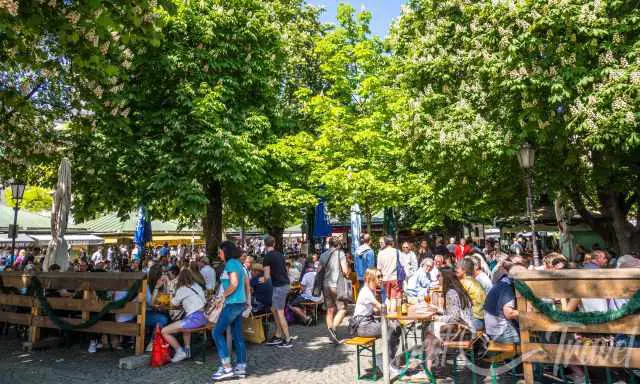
22, 240
43, 240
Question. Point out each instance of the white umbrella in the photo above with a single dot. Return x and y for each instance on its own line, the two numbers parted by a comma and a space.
58, 250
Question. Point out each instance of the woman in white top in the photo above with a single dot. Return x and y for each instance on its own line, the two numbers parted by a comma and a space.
191, 297
363, 323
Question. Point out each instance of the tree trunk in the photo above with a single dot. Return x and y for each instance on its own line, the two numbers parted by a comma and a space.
369, 219
612, 224
212, 223
278, 234
626, 234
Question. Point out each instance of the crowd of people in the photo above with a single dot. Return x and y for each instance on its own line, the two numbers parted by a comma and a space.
477, 292
475, 283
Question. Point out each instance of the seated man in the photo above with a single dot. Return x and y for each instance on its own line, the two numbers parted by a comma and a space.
262, 291
500, 313
306, 296
419, 284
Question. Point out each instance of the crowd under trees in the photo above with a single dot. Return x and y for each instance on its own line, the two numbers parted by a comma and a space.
244, 112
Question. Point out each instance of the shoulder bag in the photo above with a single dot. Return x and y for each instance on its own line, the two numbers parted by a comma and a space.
319, 280
344, 287
401, 273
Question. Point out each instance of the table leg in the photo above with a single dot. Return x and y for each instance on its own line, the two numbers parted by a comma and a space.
385, 346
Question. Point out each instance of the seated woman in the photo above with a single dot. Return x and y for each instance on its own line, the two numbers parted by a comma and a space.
191, 296
261, 290
420, 282
457, 310
363, 322
155, 315
306, 296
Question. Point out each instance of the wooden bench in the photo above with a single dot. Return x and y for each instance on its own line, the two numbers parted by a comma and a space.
85, 282
311, 307
501, 353
586, 283
204, 331
466, 347
364, 344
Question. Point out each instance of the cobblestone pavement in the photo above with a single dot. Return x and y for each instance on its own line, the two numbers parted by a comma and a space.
313, 359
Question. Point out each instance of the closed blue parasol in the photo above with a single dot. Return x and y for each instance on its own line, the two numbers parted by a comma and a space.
321, 225
142, 234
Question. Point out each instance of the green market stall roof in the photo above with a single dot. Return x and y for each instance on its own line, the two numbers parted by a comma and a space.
112, 224
31, 222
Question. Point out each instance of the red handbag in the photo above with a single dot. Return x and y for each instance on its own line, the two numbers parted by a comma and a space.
160, 350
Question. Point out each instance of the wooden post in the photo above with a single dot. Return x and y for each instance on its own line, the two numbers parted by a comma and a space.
524, 339
386, 374
86, 296
35, 331
142, 311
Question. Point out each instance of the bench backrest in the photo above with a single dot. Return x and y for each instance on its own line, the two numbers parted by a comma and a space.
599, 284
87, 283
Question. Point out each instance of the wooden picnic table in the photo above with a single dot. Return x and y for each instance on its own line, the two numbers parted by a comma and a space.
413, 314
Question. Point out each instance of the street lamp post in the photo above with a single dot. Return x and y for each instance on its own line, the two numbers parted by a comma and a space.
526, 158
17, 193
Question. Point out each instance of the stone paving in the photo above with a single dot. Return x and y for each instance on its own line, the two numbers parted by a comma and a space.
313, 359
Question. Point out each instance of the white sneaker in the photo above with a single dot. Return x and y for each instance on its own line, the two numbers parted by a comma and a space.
92, 347
179, 356
393, 371
240, 370
222, 373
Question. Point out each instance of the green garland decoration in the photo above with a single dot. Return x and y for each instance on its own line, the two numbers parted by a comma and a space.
36, 285
587, 318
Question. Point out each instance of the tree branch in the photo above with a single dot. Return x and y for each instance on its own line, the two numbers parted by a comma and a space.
579, 205
26, 99
631, 200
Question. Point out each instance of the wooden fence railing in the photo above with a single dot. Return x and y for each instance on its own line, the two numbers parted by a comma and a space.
20, 309
599, 283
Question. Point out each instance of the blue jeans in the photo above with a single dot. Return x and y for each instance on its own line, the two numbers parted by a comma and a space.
152, 318
231, 315
509, 336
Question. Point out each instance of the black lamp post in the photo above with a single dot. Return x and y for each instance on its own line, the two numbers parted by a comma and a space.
526, 158
17, 193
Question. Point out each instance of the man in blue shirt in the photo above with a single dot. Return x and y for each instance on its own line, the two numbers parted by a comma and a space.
364, 258
164, 251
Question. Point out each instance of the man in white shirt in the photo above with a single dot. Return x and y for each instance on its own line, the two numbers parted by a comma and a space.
306, 296
208, 273
97, 256
409, 261
387, 264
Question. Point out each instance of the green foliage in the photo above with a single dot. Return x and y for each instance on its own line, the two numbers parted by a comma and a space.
203, 106
483, 77
54, 57
35, 199
348, 157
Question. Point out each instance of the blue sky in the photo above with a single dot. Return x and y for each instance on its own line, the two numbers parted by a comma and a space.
383, 11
